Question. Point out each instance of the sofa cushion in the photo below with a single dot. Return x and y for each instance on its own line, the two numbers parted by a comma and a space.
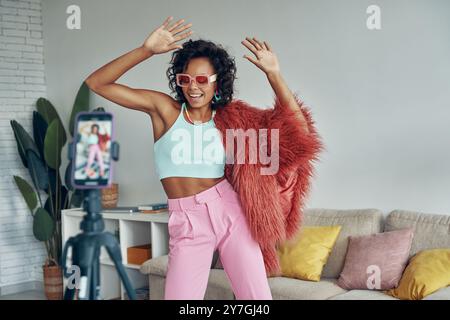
431, 231
376, 261
304, 256
442, 294
219, 286
158, 265
293, 289
156, 283
216, 263
354, 222
427, 272
363, 295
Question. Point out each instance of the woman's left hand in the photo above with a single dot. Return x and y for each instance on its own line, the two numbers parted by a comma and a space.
266, 59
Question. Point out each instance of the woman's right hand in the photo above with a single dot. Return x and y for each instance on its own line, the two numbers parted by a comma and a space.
164, 38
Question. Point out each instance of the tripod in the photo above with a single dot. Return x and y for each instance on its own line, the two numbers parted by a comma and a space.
87, 245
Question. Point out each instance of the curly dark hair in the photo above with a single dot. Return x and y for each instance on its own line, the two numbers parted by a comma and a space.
95, 126
222, 62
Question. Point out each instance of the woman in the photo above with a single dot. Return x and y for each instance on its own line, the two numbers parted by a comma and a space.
94, 151
205, 212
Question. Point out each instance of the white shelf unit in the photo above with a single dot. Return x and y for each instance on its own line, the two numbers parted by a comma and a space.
134, 229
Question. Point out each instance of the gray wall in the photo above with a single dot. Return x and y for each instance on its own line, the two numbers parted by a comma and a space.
380, 98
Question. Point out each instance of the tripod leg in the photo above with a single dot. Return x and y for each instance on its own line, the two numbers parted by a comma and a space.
69, 292
95, 282
114, 252
126, 281
85, 251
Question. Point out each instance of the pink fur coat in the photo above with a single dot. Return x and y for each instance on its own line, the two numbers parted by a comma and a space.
272, 203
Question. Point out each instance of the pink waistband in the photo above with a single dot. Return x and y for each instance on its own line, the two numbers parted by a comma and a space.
218, 190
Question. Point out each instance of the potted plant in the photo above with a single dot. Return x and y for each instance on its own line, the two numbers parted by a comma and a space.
41, 155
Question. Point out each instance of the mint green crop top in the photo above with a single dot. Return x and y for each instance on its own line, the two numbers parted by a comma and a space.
92, 139
188, 150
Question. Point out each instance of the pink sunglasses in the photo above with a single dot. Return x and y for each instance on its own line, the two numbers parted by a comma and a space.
202, 80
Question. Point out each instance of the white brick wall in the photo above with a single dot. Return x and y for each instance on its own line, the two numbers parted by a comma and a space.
22, 81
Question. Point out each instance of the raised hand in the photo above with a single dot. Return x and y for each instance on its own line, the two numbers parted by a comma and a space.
164, 38
266, 59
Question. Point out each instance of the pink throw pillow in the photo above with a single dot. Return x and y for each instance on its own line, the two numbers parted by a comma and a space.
377, 261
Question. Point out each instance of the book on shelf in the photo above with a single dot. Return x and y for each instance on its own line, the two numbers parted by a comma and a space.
153, 206
153, 211
121, 210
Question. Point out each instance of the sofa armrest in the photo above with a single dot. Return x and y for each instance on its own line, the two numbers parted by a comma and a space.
156, 266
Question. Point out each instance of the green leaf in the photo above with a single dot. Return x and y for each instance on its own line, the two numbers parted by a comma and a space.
43, 225
24, 141
68, 176
81, 104
55, 184
37, 170
39, 129
47, 110
63, 194
54, 141
27, 192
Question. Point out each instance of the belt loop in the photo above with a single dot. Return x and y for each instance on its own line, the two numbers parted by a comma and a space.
220, 189
180, 204
197, 199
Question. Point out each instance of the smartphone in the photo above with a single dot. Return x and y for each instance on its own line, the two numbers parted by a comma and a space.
92, 163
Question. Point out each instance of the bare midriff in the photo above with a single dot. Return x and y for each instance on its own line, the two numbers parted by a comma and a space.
179, 187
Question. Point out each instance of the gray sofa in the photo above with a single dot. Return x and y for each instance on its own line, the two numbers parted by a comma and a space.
430, 231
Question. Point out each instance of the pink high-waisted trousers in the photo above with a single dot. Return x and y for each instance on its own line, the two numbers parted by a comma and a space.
200, 224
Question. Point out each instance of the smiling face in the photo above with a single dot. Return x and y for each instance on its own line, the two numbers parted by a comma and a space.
197, 66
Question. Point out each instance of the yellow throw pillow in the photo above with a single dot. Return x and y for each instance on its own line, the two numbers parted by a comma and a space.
304, 256
427, 272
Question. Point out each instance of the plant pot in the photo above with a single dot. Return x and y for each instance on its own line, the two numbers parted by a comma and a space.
53, 281
110, 196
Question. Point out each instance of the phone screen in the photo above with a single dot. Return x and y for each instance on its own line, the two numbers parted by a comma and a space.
92, 154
